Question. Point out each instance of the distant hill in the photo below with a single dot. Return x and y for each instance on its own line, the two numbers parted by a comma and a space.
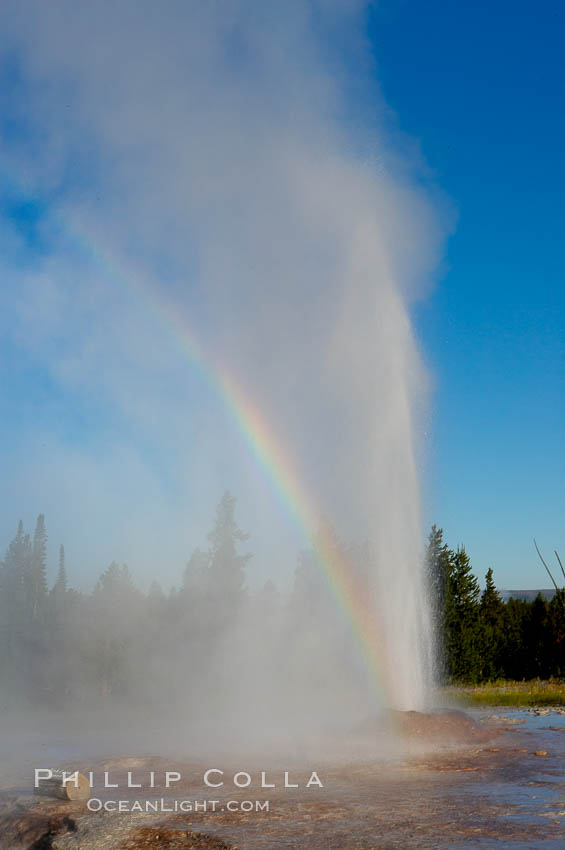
528, 595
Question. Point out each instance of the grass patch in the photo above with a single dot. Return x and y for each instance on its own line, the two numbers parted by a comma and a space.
536, 692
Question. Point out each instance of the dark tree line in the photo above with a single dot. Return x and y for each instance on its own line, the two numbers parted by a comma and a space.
60, 645
211, 633
481, 637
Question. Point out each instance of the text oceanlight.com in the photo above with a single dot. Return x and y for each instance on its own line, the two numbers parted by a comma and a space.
172, 806
213, 778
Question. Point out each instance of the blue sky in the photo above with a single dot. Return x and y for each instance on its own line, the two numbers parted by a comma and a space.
103, 421
481, 86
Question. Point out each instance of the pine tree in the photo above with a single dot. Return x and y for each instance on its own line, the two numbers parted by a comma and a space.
38, 570
116, 583
116, 610
514, 649
491, 599
492, 629
194, 575
14, 608
462, 619
13, 622
227, 566
556, 626
438, 563
537, 639
60, 586
14, 555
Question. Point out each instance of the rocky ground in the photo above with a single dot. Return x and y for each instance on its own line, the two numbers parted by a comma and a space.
499, 788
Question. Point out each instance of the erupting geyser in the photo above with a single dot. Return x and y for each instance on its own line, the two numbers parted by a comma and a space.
233, 251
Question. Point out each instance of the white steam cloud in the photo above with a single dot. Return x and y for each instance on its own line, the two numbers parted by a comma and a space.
218, 150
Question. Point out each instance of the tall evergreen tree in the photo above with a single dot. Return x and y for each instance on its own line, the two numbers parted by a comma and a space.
60, 586
194, 575
13, 622
38, 570
116, 584
537, 639
514, 648
492, 629
438, 563
227, 566
116, 612
13, 574
556, 626
462, 619
491, 599
59, 590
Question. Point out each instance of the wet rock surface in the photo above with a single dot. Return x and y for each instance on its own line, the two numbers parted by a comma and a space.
31, 825
545, 712
486, 793
25, 825
171, 839
441, 727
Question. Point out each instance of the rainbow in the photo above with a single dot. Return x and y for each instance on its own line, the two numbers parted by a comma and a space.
263, 445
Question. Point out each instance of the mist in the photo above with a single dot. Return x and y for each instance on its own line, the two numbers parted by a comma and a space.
236, 163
